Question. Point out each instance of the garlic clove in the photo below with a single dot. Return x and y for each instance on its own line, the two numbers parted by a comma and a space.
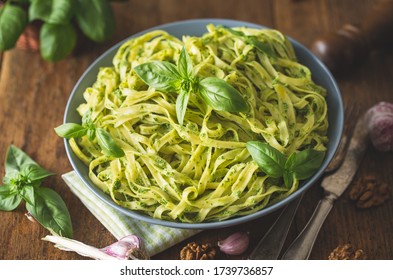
128, 247
235, 244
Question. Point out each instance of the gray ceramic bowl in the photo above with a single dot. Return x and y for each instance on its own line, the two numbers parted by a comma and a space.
321, 76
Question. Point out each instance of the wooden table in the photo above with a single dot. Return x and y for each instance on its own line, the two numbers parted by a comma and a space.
33, 95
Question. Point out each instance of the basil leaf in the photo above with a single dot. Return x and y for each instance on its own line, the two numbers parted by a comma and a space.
305, 163
52, 11
261, 46
161, 75
56, 41
13, 20
27, 193
181, 105
71, 130
221, 96
15, 159
252, 40
96, 19
288, 178
269, 160
107, 144
184, 65
9, 199
35, 173
91, 134
86, 118
49, 209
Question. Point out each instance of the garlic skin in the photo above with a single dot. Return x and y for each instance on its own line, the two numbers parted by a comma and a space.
235, 244
379, 121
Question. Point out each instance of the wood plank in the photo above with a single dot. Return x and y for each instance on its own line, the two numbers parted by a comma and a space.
33, 94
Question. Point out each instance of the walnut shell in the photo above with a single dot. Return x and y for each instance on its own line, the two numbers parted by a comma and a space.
194, 251
347, 252
369, 192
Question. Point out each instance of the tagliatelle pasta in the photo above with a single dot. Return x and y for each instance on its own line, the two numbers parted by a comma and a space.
201, 171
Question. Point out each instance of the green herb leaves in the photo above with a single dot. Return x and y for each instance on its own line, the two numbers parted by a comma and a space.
161, 75
104, 139
57, 41
49, 209
221, 96
59, 18
22, 181
166, 77
96, 19
299, 165
13, 20
107, 144
53, 11
71, 130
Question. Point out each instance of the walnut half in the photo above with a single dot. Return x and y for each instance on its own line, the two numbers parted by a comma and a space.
194, 251
347, 252
368, 192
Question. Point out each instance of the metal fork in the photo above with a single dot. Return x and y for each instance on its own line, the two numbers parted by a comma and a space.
269, 247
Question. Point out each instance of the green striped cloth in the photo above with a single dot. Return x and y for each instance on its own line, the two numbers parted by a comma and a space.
157, 238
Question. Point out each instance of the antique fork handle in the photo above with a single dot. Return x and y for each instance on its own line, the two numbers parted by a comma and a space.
272, 242
301, 247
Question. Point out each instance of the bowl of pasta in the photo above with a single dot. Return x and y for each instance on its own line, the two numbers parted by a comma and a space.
203, 123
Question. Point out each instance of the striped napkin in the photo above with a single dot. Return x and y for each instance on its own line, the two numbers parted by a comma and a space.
157, 238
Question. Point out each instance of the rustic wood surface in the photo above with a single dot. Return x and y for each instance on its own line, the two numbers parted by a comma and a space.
33, 95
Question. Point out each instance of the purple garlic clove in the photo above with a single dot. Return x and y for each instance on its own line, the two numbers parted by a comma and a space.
235, 244
127, 248
379, 121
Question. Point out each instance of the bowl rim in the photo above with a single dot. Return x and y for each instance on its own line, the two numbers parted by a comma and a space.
237, 219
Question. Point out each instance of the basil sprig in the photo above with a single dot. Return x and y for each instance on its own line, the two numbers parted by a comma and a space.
22, 181
104, 138
166, 77
299, 165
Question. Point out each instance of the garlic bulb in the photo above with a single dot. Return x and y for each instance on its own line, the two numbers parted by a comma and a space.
130, 247
379, 121
235, 244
